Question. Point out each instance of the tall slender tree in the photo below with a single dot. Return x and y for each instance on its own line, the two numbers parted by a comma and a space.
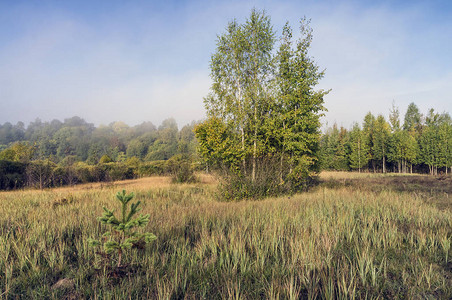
298, 105
369, 130
359, 152
395, 151
240, 69
413, 118
380, 141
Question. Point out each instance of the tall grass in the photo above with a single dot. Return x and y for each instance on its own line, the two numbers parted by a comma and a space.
329, 243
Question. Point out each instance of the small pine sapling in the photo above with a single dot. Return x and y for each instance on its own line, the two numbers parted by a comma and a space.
122, 235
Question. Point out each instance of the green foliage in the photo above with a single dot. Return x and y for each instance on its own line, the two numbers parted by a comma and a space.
359, 152
422, 145
136, 148
40, 173
123, 235
84, 153
262, 104
11, 133
181, 170
267, 182
413, 118
19, 151
12, 174
105, 159
380, 141
334, 147
219, 145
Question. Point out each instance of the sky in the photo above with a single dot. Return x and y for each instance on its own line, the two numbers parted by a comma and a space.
136, 61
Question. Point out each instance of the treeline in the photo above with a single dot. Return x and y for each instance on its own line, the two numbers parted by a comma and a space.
58, 153
423, 143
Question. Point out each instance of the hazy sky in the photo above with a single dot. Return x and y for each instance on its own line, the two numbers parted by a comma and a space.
138, 61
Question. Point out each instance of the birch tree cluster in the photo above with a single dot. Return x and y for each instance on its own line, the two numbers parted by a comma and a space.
263, 109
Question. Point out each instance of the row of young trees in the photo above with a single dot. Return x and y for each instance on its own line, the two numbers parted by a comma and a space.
422, 144
263, 109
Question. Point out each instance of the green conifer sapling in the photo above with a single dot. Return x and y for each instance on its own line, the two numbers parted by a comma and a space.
122, 234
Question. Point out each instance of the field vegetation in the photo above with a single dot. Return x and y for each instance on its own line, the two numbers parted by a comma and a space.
347, 238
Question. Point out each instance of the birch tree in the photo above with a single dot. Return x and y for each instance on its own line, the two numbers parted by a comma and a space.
359, 152
380, 141
241, 67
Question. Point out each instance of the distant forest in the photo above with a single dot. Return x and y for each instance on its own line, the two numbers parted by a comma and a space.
56, 153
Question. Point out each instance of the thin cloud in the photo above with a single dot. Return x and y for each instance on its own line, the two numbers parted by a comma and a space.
149, 61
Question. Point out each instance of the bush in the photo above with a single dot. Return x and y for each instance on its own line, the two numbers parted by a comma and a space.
181, 170
151, 168
12, 174
40, 173
272, 179
183, 173
119, 171
83, 172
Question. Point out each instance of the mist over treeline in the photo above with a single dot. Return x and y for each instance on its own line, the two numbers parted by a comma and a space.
56, 153
82, 141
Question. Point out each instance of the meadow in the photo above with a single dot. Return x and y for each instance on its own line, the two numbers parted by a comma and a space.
354, 236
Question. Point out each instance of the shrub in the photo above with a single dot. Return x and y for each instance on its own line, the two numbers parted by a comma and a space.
12, 174
272, 178
181, 170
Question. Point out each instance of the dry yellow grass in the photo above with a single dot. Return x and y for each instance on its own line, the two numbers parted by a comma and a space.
329, 243
325, 175
140, 184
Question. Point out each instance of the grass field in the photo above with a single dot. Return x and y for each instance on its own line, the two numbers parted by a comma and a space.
354, 236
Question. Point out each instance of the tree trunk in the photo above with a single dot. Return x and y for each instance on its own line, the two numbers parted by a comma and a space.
282, 156
280, 169
243, 149
253, 174
119, 258
359, 157
239, 102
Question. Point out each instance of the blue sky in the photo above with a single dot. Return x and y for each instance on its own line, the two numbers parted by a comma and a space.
138, 61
